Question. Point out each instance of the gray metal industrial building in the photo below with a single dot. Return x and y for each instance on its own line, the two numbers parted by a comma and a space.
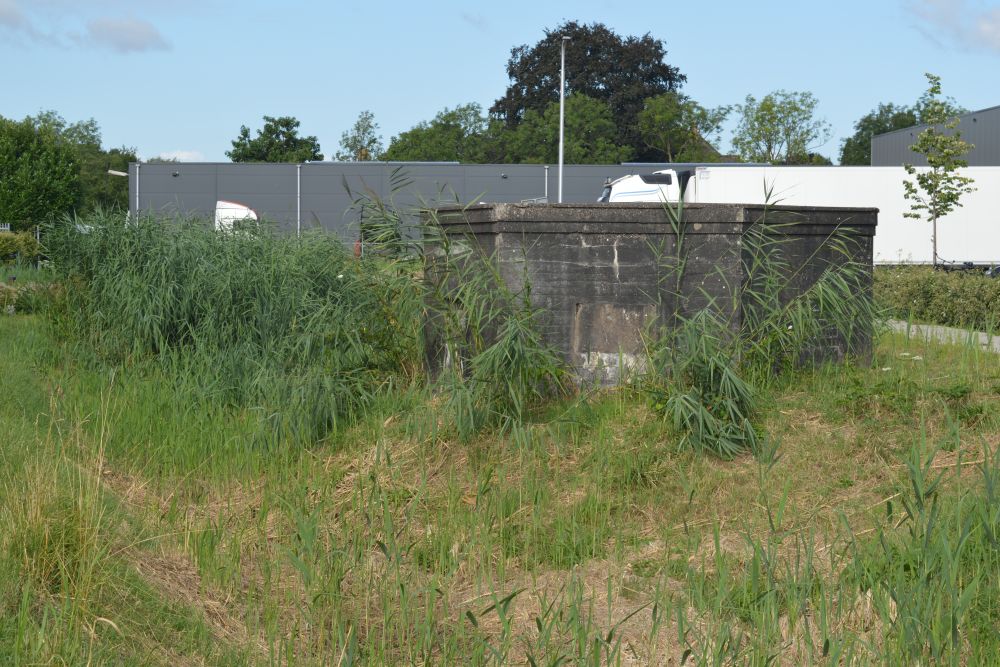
313, 194
980, 128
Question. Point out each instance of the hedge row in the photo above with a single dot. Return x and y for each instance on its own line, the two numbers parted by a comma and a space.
20, 245
955, 298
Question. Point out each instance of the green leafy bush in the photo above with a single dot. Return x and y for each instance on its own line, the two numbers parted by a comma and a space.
19, 245
952, 298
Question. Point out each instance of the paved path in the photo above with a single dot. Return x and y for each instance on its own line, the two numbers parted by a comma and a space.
947, 334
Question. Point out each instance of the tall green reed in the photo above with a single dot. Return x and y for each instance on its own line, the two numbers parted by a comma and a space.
296, 326
711, 359
481, 336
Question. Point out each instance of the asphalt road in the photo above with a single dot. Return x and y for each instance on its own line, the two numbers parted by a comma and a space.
947, 334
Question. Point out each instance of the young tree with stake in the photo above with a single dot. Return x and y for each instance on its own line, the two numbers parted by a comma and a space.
938, 188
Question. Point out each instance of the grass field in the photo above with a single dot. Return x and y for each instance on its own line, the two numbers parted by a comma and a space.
139, 528
228, 449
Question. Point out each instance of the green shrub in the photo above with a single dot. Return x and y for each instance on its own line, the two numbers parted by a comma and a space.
950, 298
19, 245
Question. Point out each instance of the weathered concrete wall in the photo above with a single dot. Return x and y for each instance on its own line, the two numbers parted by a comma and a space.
602, 273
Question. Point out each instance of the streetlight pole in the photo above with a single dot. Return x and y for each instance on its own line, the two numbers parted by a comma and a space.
562, 111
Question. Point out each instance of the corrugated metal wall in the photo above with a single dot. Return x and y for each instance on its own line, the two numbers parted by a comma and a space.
316, 190
980, 128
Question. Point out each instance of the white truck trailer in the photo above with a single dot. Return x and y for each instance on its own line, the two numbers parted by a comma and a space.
971, 233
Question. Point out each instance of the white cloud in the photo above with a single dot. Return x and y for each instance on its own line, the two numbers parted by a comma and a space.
11, 15
987, 27
128, 35
124, 35
15, 20
182, 156
968, 24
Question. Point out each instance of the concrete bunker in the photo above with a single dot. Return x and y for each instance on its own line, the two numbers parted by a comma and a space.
597, 271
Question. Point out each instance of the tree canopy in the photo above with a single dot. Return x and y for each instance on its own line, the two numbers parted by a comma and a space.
857, 149
780, 128
590, 135
98, 188
462, 134
680, 129
362, 142
39, 174
931, 106
600, 64
277, 141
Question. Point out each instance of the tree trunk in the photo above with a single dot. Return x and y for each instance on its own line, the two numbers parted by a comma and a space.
934, 239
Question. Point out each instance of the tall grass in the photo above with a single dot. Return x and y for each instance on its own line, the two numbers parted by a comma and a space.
300, 328
296, 326
590, 540
710, 364
484, 335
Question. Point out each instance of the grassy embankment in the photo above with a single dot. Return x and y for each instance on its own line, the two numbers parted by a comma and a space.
203, 508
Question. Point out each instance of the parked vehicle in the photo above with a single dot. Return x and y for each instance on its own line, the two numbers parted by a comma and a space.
229, 215
971, 233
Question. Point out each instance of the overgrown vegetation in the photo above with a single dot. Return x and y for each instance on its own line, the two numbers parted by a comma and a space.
952, 298
21, 247
300, 328
489, 516
710, 363
136, 530
294, 326
24, 284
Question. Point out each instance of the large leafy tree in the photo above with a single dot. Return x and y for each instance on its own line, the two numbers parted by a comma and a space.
937, 189
857, 149
98, 188
590, 135
780, 128
621, 71
39, 174
277, 141
680, 128
462, 134
362, 142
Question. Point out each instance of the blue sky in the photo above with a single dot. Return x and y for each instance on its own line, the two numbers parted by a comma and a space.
180, 77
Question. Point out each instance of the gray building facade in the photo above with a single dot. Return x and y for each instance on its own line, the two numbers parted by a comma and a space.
980, 128
321, 194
